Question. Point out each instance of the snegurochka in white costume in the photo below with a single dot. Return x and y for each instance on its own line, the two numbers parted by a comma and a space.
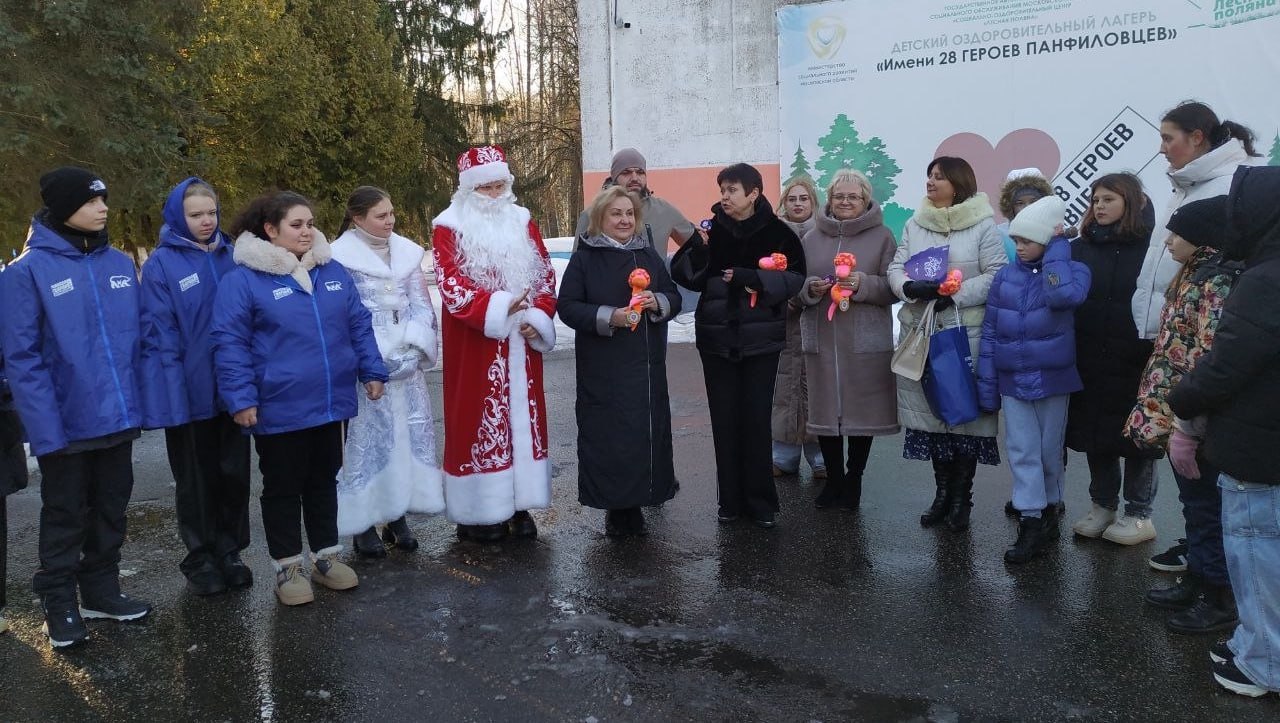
389, 463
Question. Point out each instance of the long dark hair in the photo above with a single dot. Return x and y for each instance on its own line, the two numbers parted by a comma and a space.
360, 202
1192, 115
269, 208
1129, 188
959, 173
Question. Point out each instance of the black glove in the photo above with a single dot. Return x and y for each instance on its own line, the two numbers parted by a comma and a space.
943, 302
743, 277
921, 290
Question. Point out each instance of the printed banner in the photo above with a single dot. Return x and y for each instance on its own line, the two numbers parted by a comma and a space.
1075, 88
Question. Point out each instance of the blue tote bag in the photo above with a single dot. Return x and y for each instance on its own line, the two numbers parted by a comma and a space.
949, 383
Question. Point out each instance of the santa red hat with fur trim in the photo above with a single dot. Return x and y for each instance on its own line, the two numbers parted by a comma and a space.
481, 165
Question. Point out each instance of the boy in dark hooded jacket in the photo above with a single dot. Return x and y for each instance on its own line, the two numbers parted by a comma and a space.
72, 357
1237, 386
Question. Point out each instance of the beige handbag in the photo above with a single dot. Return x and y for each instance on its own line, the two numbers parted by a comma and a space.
911, 355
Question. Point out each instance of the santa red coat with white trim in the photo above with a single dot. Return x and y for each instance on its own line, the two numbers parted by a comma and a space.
495, 423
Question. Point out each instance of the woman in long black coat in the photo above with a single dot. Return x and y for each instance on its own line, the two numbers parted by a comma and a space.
1110, 356
623, 412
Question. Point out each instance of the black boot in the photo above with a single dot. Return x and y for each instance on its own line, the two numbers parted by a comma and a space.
1183, 594
961, 495
1213, 610
832, 492
1052, 518
483, 533
635, 520
1030, 543
942, 496
368, 544
615, 523
853, 493
521, 524
397, 533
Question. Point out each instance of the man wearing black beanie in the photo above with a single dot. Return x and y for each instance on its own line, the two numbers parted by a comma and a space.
71, 358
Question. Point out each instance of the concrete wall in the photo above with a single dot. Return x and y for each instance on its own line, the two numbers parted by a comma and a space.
693, 84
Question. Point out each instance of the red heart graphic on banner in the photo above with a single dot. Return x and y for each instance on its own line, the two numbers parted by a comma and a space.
1023, 148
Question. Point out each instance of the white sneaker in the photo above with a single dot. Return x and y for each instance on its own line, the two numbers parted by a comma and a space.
1130, 530
1094, 523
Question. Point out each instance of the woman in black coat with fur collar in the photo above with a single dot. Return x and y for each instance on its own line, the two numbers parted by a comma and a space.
739, 338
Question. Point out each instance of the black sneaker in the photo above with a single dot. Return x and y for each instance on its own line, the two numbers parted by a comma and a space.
65, 627
1230, 677
206, 581
235, 573
114, 607
1221, 652
1173, 559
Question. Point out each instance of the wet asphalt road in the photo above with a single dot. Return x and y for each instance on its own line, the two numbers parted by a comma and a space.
830, 617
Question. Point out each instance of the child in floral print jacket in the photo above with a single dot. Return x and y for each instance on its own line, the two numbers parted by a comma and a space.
1202, 597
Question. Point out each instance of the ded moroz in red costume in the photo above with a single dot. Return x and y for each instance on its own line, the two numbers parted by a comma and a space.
488, 251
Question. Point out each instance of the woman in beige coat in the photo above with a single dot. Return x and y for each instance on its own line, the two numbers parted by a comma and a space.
956, 215
790, 394
846, 357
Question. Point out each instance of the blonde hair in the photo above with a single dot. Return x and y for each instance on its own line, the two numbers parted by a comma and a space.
605, 199
804, 183
199, 188
848, 175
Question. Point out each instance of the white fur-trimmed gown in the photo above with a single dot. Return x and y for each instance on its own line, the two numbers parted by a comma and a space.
389, 463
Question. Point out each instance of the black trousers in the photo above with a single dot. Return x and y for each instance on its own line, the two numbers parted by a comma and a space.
83, 498
851, 467
300, 480
740, 400
4, 547
210, 464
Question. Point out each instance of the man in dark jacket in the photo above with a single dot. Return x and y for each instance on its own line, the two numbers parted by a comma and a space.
72, 358
1236, 388
740, 326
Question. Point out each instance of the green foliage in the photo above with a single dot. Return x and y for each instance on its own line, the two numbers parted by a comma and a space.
896, 217
317, 96
843, 148
799, 166
1274, 159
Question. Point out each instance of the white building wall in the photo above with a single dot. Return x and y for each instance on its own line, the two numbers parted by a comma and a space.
693, 84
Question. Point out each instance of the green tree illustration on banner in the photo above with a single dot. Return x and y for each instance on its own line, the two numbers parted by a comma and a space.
1275, 152
843, 148
799, 165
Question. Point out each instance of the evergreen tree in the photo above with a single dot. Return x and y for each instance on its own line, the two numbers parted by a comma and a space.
799, 165
842, 148
1274, 160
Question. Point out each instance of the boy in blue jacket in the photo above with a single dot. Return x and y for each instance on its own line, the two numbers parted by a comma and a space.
71, 350
1027, 364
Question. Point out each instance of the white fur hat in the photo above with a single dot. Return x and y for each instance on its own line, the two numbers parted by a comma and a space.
1017, 173
1036, 223
482, 165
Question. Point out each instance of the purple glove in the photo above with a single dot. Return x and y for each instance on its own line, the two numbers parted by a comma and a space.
1182, 453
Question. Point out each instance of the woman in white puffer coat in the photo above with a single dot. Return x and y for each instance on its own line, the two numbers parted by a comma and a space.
389, 463
1203, 153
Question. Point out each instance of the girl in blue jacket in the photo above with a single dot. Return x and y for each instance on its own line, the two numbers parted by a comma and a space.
72, 355
1026, 364
208, 453
291, 338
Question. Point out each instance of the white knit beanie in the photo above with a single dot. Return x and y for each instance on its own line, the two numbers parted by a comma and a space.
1036, 223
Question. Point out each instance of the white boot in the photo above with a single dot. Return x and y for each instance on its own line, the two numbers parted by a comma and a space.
1094, 523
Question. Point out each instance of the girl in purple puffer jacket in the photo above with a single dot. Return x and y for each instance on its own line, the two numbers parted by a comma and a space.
1026, 364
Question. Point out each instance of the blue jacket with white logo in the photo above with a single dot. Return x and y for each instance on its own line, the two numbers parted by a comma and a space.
179, 283
70, 334
293, 353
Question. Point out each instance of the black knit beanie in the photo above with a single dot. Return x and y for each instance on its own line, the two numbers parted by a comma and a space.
1201, 223
64, 190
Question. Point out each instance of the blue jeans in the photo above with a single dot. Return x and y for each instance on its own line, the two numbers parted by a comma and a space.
1139, 483
1034, 433
1202, 511
786, 457
1251, 527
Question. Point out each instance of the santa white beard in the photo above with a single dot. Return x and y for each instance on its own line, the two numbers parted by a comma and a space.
494, 248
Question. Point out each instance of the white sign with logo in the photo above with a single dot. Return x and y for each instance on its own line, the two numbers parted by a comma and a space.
1075, 88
